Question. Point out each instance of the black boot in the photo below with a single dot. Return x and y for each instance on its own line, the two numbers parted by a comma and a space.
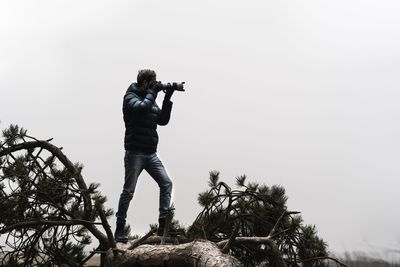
161, 226
120, 234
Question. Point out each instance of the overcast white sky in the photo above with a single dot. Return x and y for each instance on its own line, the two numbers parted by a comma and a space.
299, 93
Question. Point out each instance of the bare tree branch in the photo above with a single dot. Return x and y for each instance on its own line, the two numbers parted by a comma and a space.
143, 239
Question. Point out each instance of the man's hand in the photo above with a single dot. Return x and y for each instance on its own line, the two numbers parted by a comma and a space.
157, 87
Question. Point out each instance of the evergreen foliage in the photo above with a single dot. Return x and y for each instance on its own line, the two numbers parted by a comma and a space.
42, 206
257, 210
48, 216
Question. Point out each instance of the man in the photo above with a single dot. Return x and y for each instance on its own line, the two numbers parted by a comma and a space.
141, 117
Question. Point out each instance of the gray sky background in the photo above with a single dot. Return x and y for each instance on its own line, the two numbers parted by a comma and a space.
299, 93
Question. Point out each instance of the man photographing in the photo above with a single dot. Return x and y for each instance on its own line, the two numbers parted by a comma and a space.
141, 117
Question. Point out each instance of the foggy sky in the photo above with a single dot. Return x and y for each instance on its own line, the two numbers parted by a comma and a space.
299, 93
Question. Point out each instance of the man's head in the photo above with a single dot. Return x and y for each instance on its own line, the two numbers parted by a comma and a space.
146, 78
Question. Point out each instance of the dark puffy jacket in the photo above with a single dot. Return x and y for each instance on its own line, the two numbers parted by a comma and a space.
141, 117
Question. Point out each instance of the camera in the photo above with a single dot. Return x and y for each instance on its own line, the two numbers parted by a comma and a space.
172, 86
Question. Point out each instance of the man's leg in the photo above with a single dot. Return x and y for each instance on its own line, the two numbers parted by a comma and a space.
134, 164
157, 171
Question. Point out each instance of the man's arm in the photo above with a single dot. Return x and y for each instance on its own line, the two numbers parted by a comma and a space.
135, 103
165, 114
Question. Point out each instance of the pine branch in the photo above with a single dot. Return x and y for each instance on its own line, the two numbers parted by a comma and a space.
32, 224
105, 224
325, 258
62, 158
228, 244
279, 220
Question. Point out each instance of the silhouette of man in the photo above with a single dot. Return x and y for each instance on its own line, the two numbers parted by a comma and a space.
141, 117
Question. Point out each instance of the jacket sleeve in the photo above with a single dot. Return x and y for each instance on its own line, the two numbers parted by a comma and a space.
135, 103
165, 114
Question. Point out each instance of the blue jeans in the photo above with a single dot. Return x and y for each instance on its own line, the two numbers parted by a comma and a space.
135, 163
